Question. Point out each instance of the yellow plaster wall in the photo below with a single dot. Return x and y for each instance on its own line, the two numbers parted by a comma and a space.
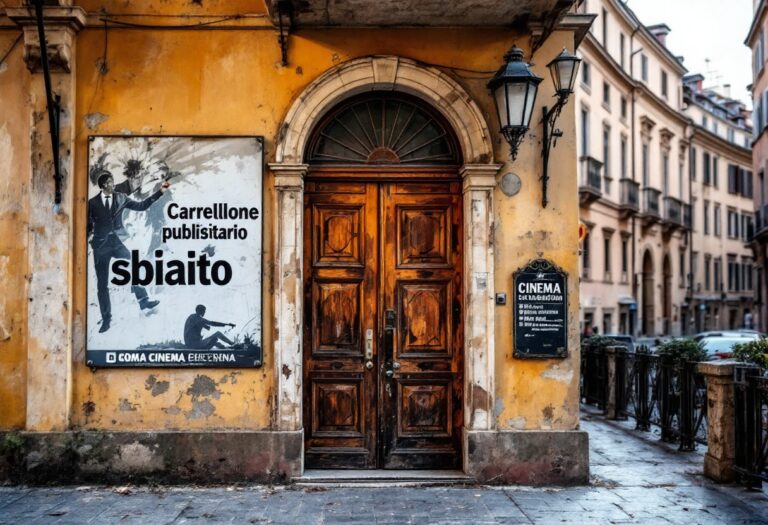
15, 169
230, 82
539, 394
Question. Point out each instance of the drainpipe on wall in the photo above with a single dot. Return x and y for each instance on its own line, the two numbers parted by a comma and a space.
691, 277
635, 320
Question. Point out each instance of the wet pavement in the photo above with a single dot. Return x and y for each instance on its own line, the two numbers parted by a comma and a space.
635, 479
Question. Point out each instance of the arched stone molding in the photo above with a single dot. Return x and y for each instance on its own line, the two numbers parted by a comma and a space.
388, 73
479, 181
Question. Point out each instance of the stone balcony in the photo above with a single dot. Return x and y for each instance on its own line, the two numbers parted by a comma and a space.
760, 229
673, 214
629, 198
591, 180
651, 206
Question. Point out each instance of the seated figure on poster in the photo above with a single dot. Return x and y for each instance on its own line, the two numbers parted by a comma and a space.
193, 331
105, 228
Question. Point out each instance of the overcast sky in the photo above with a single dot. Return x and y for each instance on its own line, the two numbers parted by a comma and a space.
706, 29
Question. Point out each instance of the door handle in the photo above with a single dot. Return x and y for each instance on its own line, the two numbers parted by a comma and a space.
369, 344
389, 342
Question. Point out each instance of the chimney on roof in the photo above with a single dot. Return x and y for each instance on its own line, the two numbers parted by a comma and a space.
694, 82
727, 90
660, 31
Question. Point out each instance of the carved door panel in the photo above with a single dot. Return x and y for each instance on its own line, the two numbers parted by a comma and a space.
340, 294
421, 388
382, 333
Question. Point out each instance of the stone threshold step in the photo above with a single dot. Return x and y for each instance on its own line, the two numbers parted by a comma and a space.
382, 477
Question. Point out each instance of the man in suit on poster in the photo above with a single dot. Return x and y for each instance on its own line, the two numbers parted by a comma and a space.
105, 227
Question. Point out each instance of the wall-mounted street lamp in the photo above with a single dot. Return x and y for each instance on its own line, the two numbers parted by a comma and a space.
514, 90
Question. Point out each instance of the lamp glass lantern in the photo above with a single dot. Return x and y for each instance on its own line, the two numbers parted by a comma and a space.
563, 69
514, 89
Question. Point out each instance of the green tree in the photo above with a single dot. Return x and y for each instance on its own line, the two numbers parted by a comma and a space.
755, 352
682, 350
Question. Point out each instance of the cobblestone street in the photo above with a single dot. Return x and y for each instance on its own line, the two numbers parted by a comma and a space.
634, 480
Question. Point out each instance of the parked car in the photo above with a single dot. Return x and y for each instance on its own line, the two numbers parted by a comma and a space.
746, 334
721, 346
627, 341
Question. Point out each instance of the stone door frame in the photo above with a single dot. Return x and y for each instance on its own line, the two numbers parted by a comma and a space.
479, 180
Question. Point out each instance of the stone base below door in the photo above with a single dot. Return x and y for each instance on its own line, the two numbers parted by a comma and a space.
163, 457
533, 457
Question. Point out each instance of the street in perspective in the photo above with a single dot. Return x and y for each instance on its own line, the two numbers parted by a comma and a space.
634, 478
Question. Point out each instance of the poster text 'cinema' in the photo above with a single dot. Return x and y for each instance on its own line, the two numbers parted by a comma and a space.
198, 268
541, 310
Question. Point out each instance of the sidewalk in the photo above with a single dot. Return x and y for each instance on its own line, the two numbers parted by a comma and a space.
634, 480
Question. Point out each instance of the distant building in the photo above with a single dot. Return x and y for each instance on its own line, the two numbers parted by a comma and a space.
759, 239
647, 139
721, 182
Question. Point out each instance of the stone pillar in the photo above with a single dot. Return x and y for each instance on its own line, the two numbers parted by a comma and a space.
50, 247
721, 422
479, 184
289, 247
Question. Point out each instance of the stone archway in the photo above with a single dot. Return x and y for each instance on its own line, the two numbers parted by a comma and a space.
649, 311
478, 174
387, 73
666, 295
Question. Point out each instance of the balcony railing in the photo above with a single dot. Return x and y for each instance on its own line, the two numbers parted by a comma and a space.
651, 207
761, 224
590, 188
629, 202
673, 212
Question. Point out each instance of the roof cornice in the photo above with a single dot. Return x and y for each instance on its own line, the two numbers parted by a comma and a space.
646, 92
635, 22
591, 44
716, 142
759, 14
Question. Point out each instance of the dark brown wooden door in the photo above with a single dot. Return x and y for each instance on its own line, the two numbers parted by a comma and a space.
383, 335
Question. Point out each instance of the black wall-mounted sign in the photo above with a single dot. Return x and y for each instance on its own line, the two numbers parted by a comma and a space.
541, 310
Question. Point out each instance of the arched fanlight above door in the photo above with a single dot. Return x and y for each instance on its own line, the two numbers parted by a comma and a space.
383, 128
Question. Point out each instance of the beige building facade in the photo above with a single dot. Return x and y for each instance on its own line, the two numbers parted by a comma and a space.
721, 198
759, 239
641, 145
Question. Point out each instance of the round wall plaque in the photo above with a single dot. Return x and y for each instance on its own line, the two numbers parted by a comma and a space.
510, 184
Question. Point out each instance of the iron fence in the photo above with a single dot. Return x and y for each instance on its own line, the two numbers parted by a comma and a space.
594, 375
751, 405
654, 390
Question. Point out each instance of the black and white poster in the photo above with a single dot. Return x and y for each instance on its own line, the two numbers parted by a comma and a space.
541, 310
174, 229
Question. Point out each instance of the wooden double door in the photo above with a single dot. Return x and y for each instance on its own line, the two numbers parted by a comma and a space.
383, 338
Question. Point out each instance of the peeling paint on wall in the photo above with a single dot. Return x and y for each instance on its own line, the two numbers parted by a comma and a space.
136, 457
203, 386
92, 120
200, 410
127, 406
558, 374
156, 387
